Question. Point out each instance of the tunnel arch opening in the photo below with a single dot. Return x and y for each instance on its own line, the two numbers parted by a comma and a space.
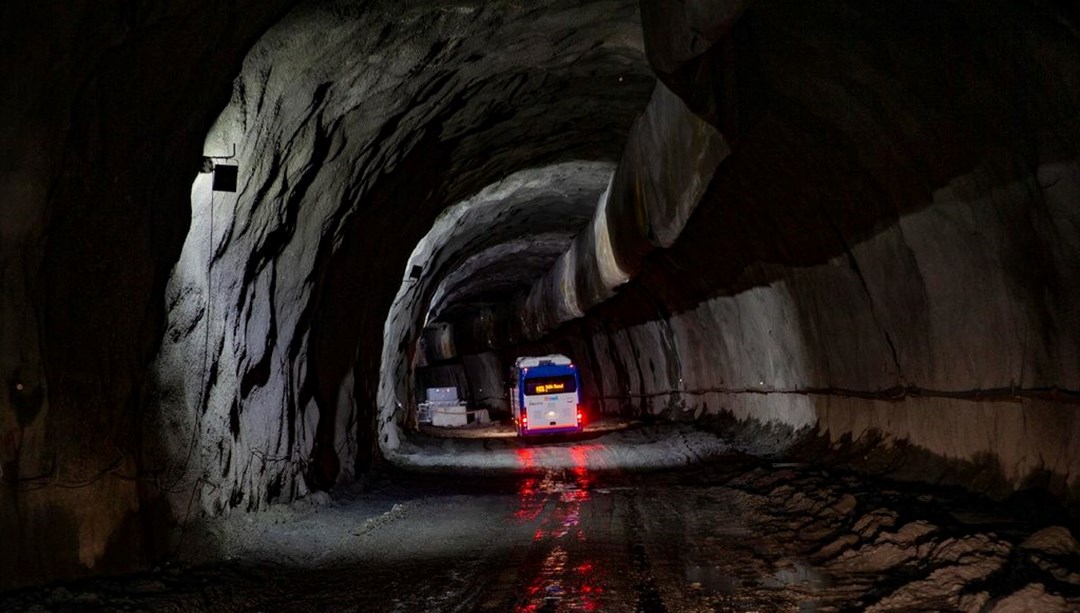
330, 165
887, 250
350, 146
511, 232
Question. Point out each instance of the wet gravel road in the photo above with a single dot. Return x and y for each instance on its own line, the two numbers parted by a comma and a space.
734, 535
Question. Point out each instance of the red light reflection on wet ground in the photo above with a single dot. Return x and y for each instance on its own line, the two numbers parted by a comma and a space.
532, 495
560, 574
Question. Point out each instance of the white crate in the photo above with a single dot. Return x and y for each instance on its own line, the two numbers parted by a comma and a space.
449, 419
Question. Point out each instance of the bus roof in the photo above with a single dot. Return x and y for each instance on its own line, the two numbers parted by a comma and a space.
533, 361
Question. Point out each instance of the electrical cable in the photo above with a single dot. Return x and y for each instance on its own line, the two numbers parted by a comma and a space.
204, 396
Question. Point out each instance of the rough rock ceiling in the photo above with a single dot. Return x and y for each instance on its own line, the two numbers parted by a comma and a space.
355, 127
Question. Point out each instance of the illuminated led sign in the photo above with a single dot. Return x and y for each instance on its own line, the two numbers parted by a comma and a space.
550, 387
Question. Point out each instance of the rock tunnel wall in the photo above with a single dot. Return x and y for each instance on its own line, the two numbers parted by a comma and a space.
889, 257
670, 157
510, 231
105, 108
355, 127
890, 249
960, 377
355, 124
886, 262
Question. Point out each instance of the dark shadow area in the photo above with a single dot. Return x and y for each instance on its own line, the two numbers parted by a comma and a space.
804, 182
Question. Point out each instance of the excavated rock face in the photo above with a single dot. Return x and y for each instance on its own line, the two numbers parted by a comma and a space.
105, 108
888, 257
851, 226
482, 252
354, 127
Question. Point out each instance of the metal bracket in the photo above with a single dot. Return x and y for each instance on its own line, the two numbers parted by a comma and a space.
224, 174
208, 160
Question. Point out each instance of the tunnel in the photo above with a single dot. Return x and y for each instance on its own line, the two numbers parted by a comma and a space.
819, 262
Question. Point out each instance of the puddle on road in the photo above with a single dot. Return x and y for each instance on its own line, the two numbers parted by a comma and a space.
561, 574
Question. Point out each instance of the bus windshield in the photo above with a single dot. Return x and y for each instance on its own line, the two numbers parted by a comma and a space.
550, 385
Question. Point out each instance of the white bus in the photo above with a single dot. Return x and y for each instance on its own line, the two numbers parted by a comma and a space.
545, 397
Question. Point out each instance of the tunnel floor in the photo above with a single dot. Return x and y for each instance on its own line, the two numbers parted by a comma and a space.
609, 445
729, 534
505, 429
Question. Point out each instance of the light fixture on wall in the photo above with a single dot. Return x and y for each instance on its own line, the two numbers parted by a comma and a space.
225, 175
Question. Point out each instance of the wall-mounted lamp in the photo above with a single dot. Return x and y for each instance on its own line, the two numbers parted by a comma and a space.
225, 175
